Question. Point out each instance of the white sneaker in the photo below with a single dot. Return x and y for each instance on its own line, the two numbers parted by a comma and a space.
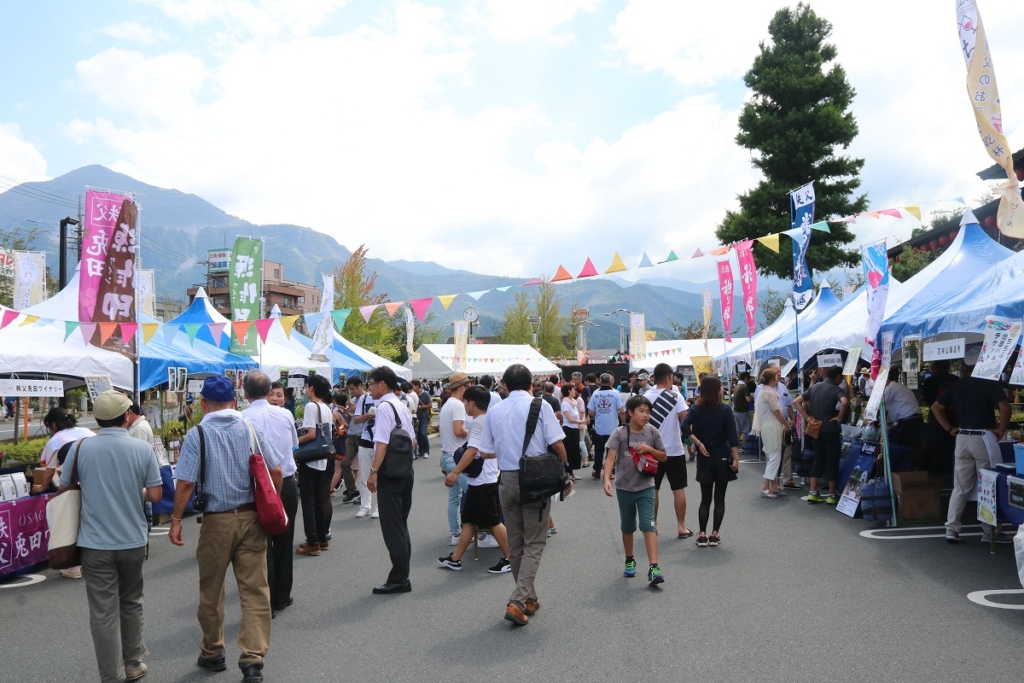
362, 512
486, 541
454, 540
73, 573
375, 515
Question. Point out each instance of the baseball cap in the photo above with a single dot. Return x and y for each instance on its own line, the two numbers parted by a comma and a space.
218, 388
110, 405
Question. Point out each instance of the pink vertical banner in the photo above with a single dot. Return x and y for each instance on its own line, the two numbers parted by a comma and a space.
101, 211
725, 288
748, 282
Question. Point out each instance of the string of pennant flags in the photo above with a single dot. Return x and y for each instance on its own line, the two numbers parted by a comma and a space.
242, 328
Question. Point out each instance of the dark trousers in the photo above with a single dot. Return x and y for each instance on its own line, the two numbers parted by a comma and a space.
394, 501
828, 449
313, 494
279, 547
600, 441
423, 436
113, 586
907, 432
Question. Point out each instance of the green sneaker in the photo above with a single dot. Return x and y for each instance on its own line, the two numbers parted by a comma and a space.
654, 576
630, 570
814, 498
833, 500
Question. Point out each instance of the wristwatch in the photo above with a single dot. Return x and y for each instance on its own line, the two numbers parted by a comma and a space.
373, 471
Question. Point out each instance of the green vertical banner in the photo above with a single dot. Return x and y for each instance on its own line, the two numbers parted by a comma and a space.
245, 281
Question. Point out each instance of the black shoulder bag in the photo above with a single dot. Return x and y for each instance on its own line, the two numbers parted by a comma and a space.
541, 476
199, 500
322, 445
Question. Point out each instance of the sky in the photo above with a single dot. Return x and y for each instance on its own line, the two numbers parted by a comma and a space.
497, 136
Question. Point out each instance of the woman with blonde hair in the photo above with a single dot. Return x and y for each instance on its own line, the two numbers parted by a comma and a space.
771, 425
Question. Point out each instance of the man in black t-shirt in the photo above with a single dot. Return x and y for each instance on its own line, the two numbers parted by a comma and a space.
549, 397
820, 403
422, 420
974, 402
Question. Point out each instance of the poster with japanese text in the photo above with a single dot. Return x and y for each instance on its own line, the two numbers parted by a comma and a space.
638, 334
115, 289
245, 283
987, 481
1001, 337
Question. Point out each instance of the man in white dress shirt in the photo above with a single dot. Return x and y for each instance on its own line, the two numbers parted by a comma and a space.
277, 426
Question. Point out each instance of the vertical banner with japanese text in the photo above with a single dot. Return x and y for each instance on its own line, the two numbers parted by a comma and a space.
748, 282
725, 288
29, 279
147, 291
459, 363
245, 282
802, 213
876, 275
410, 331
638, 333
101, 212
323, 335
115, 291
1001, 337
984, 95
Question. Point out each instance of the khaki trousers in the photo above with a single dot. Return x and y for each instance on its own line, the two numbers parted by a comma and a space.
234, 538
527, 527
970, 457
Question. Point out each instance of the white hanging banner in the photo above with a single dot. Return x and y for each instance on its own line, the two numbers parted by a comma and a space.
29, 279
461, 345
1001, 337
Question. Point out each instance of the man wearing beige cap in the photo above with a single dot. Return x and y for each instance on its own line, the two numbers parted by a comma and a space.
454, 429
117, 475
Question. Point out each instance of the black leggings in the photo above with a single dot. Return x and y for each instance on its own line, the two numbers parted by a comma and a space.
707, 492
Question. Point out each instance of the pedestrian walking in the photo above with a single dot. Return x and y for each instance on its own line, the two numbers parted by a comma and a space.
314, 476
607, 408
453, 425
771, 424
820, 403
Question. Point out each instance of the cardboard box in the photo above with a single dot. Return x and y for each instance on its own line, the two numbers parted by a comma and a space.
37, 476
918, 496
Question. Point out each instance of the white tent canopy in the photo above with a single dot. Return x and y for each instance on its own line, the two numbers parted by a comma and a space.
280, 352
481, 359
373, 359
678, 351
42, 350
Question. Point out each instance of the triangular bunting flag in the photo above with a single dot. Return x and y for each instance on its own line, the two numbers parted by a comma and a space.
241, 329
29, 319
476, 295
446, 300
43, 322
263, 327
87, 330
531, 281
847, 219
287, 323
645, 262
339, 317
69, 327
216, 330
367, 311
720, 251
895, 213
128, 331
617, 265
588, 269
7, 318
960, 200
312, 321
148, 330
106, 329
392, 306
869, 214
502, 289
170, 331
821, 226
561, 275
914, 210
671, 257
420, 306
192, 329
770, 241
698, 253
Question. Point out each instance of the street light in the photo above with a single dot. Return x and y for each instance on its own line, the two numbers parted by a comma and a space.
535, 326
64, 223
623, 338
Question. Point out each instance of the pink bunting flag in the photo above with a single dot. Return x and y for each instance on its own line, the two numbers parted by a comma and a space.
128, 331
87, 330
895, 213
216, 330
263, 328
367, 311
698, 253
7, 318
420, 306
748, 282
533, 281
725, 288
588, 269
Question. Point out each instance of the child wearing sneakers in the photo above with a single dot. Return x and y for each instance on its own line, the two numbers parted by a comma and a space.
480, 507
634, 489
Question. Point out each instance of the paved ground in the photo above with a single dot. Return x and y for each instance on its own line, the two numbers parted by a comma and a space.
793, 594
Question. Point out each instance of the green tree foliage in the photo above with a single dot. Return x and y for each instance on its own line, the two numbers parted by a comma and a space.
796, 120
353, 288
515, 325
554, 325
695, 329
771, 304
910, 262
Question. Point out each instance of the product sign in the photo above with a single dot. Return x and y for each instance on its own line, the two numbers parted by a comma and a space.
830, 360
950, 349
219, 260
1001, 337
24, 536
31, 387
851, 361
987, 481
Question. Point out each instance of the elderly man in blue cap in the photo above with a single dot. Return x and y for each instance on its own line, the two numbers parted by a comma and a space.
215, 459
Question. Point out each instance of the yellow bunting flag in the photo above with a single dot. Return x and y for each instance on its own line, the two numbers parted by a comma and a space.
446, 300
287, 323
29, 319
617, 265
914, 210
770, 241
148, 330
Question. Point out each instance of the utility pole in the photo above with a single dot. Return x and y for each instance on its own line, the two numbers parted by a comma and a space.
64, 223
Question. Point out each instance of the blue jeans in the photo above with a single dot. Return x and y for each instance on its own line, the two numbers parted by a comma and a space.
423, 437
455, 493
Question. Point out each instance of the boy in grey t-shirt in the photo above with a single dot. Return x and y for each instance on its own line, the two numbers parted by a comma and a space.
634, 490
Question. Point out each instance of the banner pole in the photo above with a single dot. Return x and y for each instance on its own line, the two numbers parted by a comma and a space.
885, 458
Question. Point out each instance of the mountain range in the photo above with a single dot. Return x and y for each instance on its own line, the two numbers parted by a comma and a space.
177, 229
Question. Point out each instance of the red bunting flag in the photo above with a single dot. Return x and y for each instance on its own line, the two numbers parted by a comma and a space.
420, 306
128, 332
588, 269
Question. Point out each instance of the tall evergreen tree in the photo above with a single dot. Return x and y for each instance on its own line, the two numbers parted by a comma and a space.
796, 120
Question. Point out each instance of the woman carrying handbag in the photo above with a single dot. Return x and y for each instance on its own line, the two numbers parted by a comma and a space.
314, 475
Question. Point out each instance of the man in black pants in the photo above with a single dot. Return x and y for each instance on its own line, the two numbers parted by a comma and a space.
820, 402
607, 408
394, 488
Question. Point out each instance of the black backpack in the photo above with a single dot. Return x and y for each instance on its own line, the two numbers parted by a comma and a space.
398, 461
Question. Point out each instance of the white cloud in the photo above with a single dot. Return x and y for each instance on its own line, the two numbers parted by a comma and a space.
247, 19
20, 161
133, 31
517, 20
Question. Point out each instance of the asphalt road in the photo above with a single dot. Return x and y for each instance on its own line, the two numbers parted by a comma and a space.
794, 594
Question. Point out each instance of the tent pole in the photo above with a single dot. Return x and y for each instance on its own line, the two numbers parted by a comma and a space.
885, 458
